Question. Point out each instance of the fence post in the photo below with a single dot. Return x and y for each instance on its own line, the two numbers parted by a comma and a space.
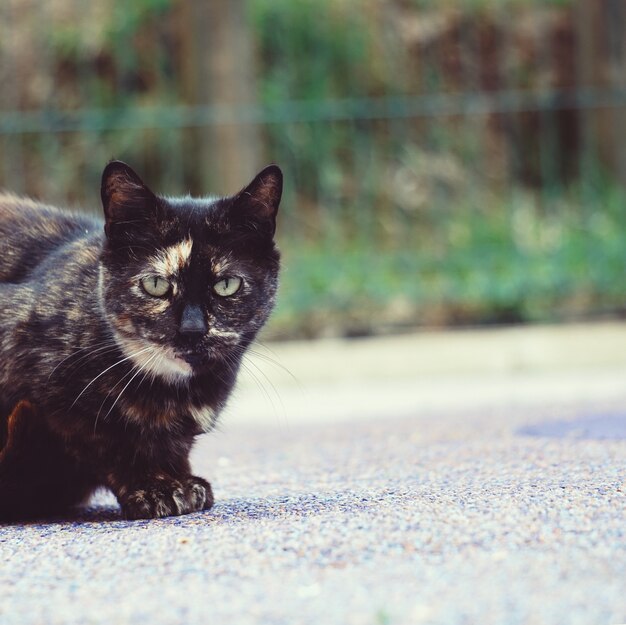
617, 43
601, 66
218, 69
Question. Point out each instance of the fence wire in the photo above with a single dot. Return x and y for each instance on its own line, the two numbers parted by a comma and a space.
449, 164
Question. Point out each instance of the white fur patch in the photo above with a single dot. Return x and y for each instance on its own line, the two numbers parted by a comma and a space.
204, 416
223, 334
169, 366
158, 361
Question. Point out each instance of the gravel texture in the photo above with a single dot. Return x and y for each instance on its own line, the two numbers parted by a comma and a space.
486, 515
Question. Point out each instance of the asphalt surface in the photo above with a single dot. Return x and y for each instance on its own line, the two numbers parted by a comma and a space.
362, 491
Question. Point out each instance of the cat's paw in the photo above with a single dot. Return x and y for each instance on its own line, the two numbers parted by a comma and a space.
199, 493
165, 496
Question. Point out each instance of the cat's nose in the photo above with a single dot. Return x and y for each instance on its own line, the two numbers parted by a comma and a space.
192, 321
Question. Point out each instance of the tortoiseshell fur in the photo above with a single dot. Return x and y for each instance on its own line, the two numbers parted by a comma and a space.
103, 384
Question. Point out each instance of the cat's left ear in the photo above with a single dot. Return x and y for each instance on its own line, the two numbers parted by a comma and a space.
257, 204
126, 200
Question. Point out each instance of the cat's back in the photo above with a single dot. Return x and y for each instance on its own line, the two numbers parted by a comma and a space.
30, 232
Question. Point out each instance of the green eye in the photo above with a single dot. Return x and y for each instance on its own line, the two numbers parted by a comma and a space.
155, 286
227, 286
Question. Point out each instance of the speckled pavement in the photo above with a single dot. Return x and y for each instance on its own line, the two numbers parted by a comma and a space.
489, 511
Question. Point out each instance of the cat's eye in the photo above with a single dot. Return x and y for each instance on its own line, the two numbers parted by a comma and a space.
227, 286
155, 286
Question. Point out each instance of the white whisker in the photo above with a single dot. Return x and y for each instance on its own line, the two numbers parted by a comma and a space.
274, 362
246, 364
130, 372
119, 362
141, 368
105, 345
148, 372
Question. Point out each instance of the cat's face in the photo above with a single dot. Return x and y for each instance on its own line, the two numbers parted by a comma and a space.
187, 282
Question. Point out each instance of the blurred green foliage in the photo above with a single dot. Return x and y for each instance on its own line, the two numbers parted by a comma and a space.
388, 221
454, 243
486, 5
507, 262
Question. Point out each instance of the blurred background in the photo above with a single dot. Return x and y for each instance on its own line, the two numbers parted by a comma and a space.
446, 163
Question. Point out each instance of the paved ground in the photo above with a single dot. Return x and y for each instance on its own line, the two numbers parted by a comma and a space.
436, 479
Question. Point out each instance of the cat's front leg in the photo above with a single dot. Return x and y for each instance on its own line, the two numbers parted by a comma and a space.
37, 477
161, 495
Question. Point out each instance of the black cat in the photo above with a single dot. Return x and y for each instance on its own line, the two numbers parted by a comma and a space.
118, 348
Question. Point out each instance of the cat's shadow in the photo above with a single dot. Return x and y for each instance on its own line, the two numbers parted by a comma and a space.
234, 511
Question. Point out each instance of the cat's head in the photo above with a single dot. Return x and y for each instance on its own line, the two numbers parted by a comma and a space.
186, 282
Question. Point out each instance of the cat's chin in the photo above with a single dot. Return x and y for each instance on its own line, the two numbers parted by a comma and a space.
172, 368
166, 365
202, 360
195, 361
207, 353
156, 360
174, 365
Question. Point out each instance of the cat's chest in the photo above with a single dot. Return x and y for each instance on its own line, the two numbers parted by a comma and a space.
149, 404
159, 411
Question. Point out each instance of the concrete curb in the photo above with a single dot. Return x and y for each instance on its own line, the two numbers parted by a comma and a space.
449, 370
465, 351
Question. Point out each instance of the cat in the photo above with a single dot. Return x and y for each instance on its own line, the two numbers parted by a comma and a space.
119, 345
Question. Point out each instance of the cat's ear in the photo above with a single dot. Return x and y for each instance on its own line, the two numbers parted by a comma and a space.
126, 200
257, 204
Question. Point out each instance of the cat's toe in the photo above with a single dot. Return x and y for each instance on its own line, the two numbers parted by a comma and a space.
138, 505
200, 493
168, 497
154, 502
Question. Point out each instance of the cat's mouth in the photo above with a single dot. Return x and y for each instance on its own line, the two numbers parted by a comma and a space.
175, 363
203, 355
202, 352
158, 360
195, 360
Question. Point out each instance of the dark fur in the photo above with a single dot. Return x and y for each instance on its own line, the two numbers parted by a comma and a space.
81, 405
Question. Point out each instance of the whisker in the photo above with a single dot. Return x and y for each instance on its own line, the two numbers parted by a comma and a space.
247, 365
110, 391
129, 382
119, 362
148, 371
99, 347
231, 363
264, 390
273, 362
101, 352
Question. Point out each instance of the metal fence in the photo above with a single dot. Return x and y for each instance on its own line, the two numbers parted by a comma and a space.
392, 120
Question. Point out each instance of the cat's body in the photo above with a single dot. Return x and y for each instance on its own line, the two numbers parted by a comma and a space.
126, 344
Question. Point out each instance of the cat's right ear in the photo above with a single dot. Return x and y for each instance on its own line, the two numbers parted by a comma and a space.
126, 200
